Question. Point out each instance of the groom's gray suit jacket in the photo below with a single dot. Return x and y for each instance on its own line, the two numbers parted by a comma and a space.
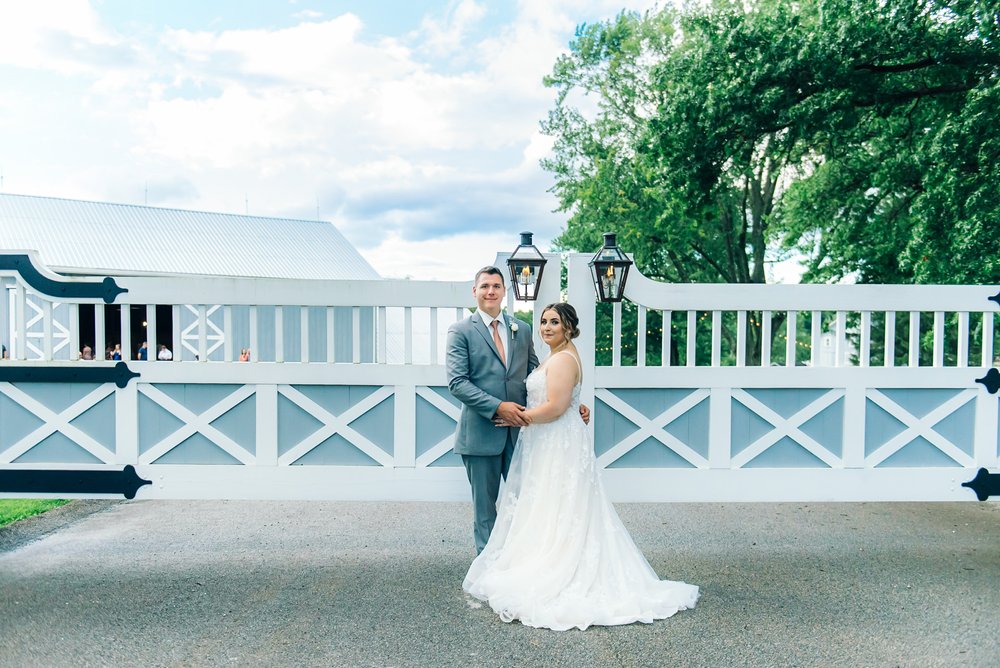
477, 377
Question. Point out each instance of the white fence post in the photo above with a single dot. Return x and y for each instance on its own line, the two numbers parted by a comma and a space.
405, 426
127, 424
719, 429
266, 397
580, 293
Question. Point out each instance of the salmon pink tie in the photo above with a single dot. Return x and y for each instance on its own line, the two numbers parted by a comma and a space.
497, 340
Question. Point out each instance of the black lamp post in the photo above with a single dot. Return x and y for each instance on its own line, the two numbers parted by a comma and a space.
526, 264
610, 269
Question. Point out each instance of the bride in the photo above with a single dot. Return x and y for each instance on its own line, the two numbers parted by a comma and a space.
559, 556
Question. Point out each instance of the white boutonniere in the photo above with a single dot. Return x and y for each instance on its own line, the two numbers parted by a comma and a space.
513, 329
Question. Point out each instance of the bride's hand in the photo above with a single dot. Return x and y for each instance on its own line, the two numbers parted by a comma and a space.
523, 419
500, 422
512, 414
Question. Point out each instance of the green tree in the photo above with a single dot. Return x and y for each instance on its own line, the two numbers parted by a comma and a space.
680, 158
862, 134
901, 187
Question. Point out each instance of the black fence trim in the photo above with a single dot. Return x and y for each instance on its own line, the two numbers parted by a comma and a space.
985, 484
85, 372
991, 381
41, 481
107, 289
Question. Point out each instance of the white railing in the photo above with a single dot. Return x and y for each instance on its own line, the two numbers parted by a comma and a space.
213, 319
700, 392
794, 325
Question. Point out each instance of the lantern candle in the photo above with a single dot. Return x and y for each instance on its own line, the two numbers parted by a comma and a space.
609, 280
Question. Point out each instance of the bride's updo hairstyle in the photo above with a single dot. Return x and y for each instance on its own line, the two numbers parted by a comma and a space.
567, 314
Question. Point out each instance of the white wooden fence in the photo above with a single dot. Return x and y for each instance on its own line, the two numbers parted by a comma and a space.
346, 395
704, 429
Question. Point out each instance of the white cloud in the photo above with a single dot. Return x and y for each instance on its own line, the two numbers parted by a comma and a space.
423, 147
61, 35
441, 36
446, 258
324, 55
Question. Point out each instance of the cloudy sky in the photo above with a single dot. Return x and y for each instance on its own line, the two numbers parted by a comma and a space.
412, 125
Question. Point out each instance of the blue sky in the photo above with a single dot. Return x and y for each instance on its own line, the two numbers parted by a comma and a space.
413, 126
380, 17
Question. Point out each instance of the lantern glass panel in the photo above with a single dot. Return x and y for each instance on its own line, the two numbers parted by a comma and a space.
525, 278
609, 270
525, 265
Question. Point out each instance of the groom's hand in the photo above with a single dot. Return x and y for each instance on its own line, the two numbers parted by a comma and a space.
511, 414
585, 414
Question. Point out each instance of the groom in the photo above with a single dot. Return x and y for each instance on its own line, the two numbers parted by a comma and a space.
489, 357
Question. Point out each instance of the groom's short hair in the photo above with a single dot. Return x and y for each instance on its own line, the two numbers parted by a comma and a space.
490, 269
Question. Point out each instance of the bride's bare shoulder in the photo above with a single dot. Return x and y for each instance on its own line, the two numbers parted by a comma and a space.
565, 362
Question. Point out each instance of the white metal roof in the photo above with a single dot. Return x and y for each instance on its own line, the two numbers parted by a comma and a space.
79, 237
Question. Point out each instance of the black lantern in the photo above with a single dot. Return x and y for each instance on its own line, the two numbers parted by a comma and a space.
526, 265
610, 269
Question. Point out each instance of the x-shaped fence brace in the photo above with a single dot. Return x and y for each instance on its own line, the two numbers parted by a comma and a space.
920, 427
60, 333
651, 427
335, 424
444, 446
56, 421
790, 427
214, 335
197, 423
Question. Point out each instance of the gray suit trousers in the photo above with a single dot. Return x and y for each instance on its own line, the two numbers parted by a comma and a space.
484, 475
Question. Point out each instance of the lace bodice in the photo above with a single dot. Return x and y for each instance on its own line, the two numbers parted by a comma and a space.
535, 383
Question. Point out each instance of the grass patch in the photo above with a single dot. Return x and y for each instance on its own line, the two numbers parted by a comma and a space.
12, 510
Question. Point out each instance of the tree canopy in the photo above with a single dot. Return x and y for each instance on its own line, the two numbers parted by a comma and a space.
863, 135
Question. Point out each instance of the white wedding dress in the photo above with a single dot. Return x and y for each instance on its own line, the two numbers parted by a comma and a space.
559, 556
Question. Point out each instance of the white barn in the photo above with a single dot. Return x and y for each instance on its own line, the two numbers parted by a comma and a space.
101, 238
74, 237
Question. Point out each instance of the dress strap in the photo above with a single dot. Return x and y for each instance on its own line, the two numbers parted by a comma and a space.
578, 365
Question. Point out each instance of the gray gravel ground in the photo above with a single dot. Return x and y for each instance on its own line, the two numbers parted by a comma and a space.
171, 583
